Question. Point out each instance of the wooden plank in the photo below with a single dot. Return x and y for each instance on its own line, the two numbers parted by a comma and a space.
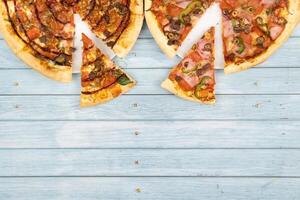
150, 162
150, 134
151, 107
254, 81
146, 54
149, 188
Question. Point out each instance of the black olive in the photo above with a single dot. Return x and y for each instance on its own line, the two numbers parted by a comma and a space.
231, 57
178, 78
187, 19
172, 35
226, 12
122, 9
106, 33
92, 76
207, 47
110, 43
250, 9
173, 42
234, 13
106, 18
281, 21
175, 24
259, 20
260, 41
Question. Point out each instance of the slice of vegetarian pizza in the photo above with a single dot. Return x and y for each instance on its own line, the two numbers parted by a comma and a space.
101, 79
254, 29
116, 22
170, 21
41, 34
194, 77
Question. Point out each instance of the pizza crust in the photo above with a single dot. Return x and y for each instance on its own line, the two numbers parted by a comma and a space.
105, 95
156, 32
20, 48
293, 19
172, 87
129, 36
137, 7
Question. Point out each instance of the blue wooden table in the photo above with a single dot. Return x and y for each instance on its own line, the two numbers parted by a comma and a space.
149, 144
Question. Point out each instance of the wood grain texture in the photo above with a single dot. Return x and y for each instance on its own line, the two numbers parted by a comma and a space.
150, 134
150, 162
149, 188
151, 107
254, 81
146, 54
245, 147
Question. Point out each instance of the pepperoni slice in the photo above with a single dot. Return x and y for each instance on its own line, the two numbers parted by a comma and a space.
62, 13
48, 20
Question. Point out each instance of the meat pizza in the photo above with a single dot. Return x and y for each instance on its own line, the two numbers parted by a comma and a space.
254, 29
117, 22
194, 77
41, 32
101, 79
170, 21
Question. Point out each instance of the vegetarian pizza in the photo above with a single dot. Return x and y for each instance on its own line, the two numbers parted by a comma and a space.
101, 79
194, 77
41, 32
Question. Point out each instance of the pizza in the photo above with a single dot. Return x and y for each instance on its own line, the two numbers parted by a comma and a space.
101, 79
194, 77
170, 21
40, 36
251, 29
254, 29
41, 32
116, 22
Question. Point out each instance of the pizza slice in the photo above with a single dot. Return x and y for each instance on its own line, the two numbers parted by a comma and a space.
194, 77
170, 21
254, 29
116, 22
41, 34
101, 79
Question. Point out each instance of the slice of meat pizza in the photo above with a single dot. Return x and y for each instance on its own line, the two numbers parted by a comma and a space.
254, 29
101, 79
194, 77
170, 21
116, 22
41, 34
